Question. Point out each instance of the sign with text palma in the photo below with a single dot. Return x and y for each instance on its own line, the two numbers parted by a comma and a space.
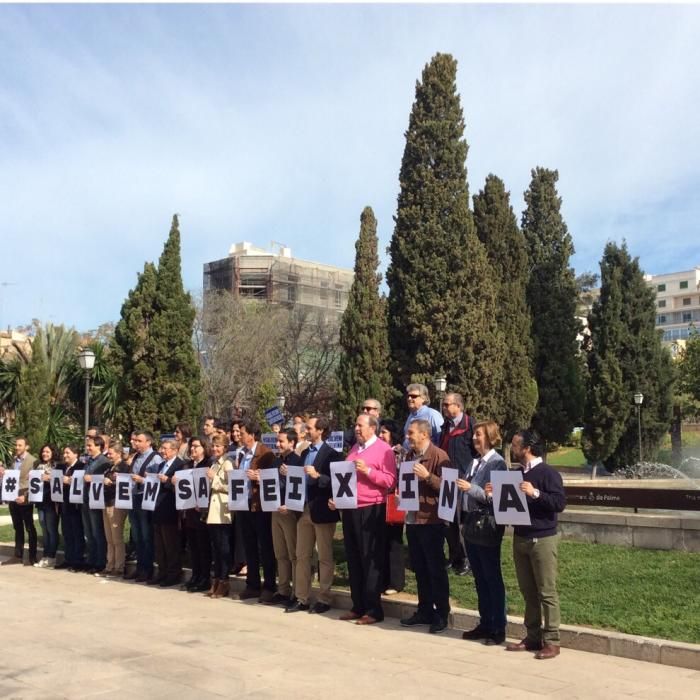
344, 484
185, 496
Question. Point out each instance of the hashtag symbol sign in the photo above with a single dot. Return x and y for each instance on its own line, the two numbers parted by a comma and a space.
10, 483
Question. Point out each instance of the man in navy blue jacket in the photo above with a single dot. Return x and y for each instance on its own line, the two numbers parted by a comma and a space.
535, 547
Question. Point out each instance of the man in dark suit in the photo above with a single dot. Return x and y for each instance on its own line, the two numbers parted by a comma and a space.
166, 538
456, 437
93, 520
317, 523
255, 523
21, 510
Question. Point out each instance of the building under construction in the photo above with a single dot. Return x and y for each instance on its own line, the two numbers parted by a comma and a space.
278, 278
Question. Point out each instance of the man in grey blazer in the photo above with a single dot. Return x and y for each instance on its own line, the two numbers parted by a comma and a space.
21, 510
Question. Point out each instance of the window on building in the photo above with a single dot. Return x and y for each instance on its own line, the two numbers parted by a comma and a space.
338, 297
660, 320
684, 284
292, 288
686, 301
660, 287
253, 284
323, 293
687, 317
662, 304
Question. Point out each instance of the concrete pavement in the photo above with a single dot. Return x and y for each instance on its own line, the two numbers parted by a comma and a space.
75, 636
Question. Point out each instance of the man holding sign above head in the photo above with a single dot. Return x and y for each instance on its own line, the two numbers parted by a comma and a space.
363, 527
535, 547
426, 532
256, 522
317, 523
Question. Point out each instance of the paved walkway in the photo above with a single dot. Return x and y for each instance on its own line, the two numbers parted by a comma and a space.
75, 636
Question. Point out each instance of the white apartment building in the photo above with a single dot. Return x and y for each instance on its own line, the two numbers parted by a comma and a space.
677, 303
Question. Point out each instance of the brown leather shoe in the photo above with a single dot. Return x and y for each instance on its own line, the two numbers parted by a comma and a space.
367, 620
349, 615
548, 651
222, 590
524, 645
212, 590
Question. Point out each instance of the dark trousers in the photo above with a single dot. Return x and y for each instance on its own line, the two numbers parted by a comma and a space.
200, 551
221, 549
141, 522
94, 529
425, 547
48, 517
23, 517
257, 539
166, 539
394, 560
363, 534
456, 547
73, 536
490, 589
237, 543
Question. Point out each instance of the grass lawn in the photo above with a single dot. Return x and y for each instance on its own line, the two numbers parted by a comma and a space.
567, 457
637, 591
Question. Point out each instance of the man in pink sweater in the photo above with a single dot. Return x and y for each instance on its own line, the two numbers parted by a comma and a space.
363, 528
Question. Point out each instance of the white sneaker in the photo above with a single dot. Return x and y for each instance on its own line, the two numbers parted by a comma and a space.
41, 564
51, 562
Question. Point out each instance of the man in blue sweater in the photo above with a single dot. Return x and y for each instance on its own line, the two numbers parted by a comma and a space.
535, 547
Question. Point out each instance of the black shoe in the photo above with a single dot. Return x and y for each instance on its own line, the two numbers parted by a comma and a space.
437, 627
319, 608
168, 582
495, 639
413, 621
279, 599
61, 566
132, 576
464, 570
155, 580
298, 606
191, 583
477, 633
203, 586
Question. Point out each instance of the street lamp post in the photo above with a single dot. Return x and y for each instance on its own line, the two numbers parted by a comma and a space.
280, 404
638, 399
440, 386
86, 360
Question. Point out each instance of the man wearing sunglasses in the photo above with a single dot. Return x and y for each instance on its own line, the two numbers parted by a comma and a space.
418, 400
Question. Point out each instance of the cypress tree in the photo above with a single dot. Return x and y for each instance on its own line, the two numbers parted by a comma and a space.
364, 342
177, 378
551, 296
497, 228
441, 302
607, 407
625, 326
133, 356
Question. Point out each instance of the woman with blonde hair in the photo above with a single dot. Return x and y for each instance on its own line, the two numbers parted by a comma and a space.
219, 516
482, 536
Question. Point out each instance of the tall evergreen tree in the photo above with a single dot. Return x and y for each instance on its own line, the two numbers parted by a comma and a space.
177, 377
34, 398
497, 228
364, 342
133, 356
441, 301
551, 296
607, 405
627, 357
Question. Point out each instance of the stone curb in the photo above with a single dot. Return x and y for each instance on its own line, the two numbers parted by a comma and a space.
596, 641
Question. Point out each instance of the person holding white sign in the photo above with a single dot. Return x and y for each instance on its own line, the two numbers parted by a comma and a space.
284, 523
114, 518
364, 526
219, 517
71, 517
426, 532
93, 520
484, 549
48, 509
535, 547
21, 510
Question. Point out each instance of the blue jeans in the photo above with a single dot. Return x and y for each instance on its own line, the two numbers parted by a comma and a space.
142, 532
490, 590
48, 518
73, 536
93, 526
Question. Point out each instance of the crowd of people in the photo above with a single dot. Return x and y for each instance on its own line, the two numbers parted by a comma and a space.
279, 552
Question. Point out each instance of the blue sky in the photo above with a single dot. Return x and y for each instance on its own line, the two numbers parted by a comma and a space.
281, 123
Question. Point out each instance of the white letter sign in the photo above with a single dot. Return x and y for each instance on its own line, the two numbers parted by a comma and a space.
122, 499
77, 484
36, 486
56, 486
97, 492
344, 484
10, 485
270, 490
237, 490
151, 489
447, 505
408, 488
184, 490
201, 487
509, 502
295, 489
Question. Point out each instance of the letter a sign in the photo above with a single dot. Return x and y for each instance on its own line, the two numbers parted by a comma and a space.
509, 502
